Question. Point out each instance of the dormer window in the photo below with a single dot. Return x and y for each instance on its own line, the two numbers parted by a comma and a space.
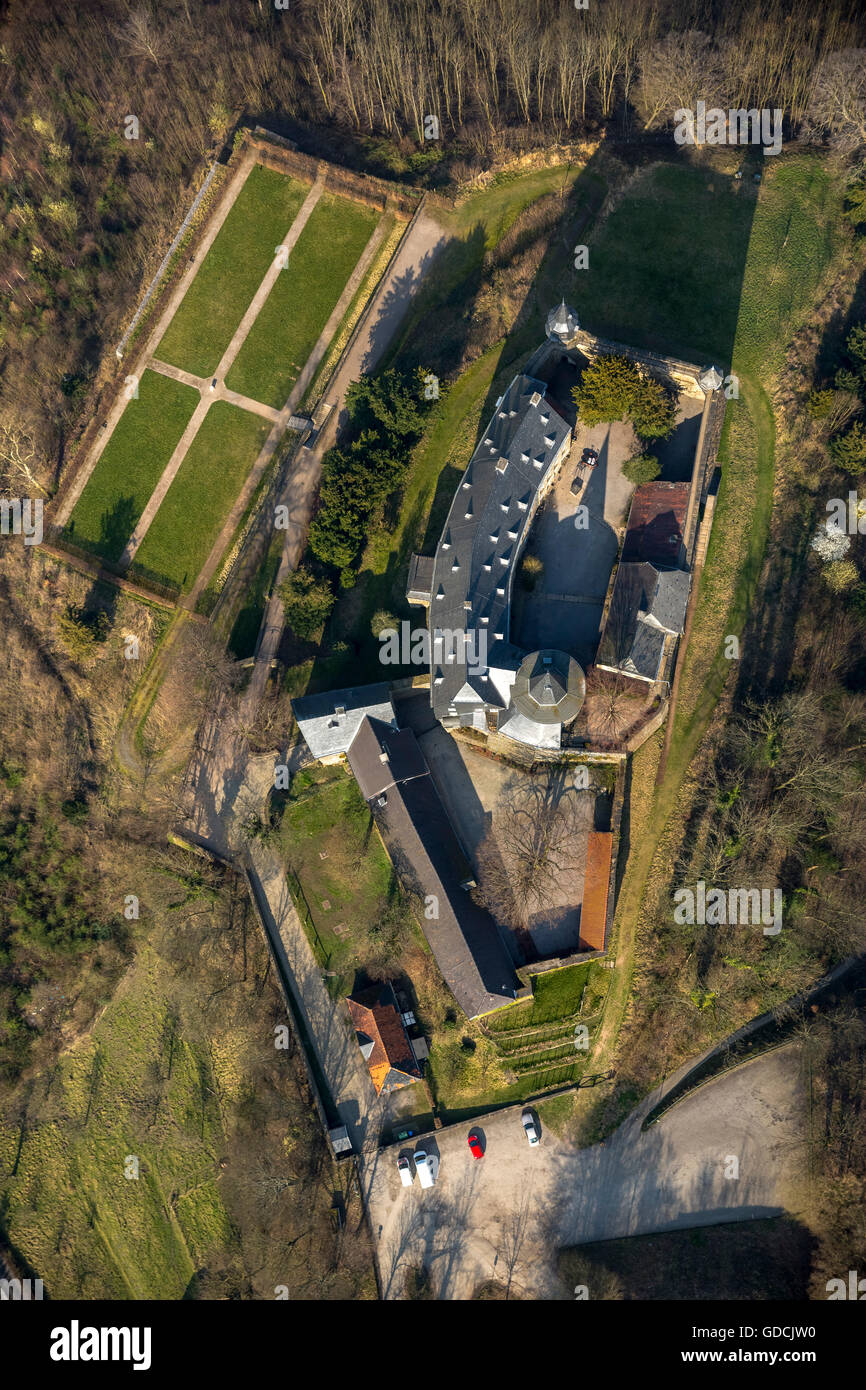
501, 593
512, 535
503, 560
535, 398
550, 440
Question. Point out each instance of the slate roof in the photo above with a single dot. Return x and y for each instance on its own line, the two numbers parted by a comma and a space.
426, 854
330, 721
474, 564
646, 604
655, 523
549, 688
383, 1039
379, 756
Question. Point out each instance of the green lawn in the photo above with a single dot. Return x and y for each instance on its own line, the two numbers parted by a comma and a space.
199, 500
326, 815
232, 271
667, 265
302, 299
131, 464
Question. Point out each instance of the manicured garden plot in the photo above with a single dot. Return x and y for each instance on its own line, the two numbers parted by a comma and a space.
232, 271
302, 299
196, 505
131, 464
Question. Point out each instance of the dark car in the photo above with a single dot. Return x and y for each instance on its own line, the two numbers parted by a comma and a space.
475, 1145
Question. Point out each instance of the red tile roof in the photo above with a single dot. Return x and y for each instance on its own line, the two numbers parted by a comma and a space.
655, 523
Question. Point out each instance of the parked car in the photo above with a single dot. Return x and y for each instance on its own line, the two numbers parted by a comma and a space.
589, 458
404, 1168
475, 1145
426, 1166
529, 1127
577, 485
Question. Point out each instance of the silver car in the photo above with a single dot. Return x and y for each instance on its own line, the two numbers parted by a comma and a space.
529, 1128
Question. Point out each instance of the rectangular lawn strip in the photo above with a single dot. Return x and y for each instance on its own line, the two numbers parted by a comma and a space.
302, 299
196, 505
232, 271
131, 464
326, 815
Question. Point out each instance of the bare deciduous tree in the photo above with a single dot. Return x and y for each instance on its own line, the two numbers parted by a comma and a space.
530, 846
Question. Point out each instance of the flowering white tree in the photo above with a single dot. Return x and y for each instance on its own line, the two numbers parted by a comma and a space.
831, 542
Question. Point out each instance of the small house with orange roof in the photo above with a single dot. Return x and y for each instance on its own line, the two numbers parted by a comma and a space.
383, 1039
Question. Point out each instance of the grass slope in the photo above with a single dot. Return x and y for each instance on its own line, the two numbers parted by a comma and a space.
302, 299
232, 271
96, 1232
121, 484
196, 505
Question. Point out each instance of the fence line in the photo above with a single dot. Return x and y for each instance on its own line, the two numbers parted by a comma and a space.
163, 265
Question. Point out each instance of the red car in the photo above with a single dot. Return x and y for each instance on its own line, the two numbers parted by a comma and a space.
475, 1146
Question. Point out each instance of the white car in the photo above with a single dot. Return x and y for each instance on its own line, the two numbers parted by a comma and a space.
426, 1166
529, 1129
404, 1168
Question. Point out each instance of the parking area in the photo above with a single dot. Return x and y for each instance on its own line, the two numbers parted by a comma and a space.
565, 607
505, 1216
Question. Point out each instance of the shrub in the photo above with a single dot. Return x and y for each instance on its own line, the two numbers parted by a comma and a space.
841, 575
849, 449
654, 412
307, 602
820, 404
531, 571
381, 620
643, 468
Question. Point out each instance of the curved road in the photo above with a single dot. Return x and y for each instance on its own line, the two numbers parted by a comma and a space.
519, 1205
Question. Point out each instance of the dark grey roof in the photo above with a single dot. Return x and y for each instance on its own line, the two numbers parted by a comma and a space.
644, 657
464, 938
646, 603
670, 600
562, 323
474, 565
549, 687
420, 586
429, 860
330, 721
379, 756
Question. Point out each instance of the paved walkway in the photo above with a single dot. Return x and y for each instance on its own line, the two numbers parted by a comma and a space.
221, 212
223, 366
375, 331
